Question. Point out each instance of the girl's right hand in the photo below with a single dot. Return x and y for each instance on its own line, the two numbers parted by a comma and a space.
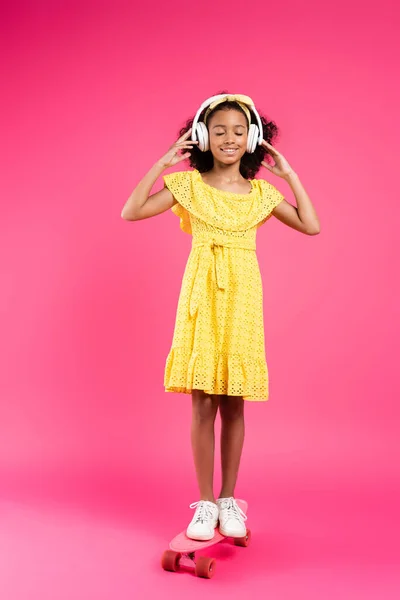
172, 157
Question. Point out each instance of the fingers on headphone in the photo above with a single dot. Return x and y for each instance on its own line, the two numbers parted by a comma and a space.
184, 147
186, 143
184, 136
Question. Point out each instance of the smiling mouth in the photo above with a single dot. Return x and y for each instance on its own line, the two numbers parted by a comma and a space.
229, 150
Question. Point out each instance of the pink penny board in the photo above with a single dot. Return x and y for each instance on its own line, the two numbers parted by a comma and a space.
181, 542
183, 550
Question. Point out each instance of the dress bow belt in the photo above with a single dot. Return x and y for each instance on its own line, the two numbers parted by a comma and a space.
211, 255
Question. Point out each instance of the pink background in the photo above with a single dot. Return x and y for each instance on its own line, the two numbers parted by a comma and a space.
95, 462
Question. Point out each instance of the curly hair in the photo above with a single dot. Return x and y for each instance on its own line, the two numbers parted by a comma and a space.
250, 163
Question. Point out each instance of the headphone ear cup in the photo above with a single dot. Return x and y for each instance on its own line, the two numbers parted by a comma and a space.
202, 136
252, 138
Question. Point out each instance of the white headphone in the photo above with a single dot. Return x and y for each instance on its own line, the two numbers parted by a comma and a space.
200, 131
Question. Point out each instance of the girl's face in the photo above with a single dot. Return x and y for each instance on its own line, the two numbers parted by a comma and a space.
227, 130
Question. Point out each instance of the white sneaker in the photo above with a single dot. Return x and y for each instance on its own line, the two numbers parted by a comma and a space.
231, 518
205, 519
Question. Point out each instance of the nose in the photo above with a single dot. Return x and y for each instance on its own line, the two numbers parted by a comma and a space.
229, 138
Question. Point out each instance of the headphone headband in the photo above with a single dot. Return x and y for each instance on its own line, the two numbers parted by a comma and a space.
230, 98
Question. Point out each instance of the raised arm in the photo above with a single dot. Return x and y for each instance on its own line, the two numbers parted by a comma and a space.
302, 217
142, 205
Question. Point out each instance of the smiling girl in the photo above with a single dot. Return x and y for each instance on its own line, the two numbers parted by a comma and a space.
217, 353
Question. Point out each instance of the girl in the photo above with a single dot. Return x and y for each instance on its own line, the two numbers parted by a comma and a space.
217, 353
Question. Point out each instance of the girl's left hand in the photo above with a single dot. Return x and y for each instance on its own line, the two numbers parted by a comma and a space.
281, 166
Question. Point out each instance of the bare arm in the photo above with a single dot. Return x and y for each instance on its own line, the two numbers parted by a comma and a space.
142, 205
302, 217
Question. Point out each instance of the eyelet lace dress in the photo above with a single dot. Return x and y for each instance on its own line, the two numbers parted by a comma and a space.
218, 341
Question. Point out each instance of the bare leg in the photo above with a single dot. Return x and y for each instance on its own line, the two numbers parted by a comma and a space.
204, 411
232, 437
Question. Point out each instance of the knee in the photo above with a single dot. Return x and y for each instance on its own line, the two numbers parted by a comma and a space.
231, 408
204, 407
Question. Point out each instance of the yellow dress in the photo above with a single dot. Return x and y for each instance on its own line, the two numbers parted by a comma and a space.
218, 341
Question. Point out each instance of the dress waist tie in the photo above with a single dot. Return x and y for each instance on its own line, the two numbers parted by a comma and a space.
212, 253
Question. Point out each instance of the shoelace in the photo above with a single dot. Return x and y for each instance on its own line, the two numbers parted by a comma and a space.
204, 510
233, 511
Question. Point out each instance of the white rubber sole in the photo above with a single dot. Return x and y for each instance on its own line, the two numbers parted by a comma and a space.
200, 538
232, 535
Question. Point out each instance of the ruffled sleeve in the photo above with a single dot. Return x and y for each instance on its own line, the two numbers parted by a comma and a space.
179, 184
270, 198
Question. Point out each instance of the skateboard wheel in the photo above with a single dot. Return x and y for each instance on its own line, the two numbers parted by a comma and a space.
243, 541
170, 560
205, 567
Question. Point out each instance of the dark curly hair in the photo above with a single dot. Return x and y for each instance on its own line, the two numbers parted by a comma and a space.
250, 163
